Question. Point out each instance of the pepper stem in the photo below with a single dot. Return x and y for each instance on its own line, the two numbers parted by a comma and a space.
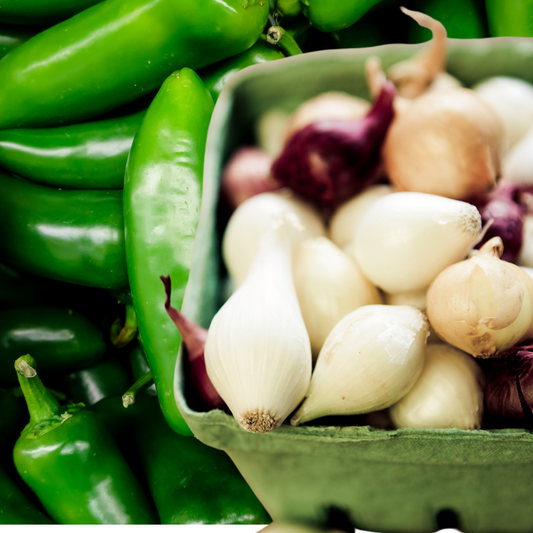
41, 404
145, 381
278, 36
122, 336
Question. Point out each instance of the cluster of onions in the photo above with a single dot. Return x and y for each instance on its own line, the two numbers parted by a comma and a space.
375, 277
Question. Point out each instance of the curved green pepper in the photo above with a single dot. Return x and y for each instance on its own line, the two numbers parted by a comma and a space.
70, 461
329, 16
117, 51
74, 236
41, 13
190, 482
463, 19
12, 37
88, 386
513, 18
216, 76
91, 155
65, 340
162, 196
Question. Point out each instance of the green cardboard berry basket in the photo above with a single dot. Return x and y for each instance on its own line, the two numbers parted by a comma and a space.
390, 481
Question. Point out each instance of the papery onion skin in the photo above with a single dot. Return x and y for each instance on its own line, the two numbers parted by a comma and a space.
445, 143
194, 337
509, 389
448, 393
484, 305
330, 161
507, 218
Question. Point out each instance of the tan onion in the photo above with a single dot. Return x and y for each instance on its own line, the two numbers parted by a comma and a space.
483, 305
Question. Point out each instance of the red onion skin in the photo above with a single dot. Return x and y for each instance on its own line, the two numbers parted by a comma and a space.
245, 175
502, 206
330, 161
194, 337
509, 388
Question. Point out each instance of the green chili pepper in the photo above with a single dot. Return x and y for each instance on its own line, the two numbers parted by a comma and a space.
117, 51
41, 13
91, 155
65, 340
88, 386
73, 236
70, 461
216, 76
329, 16
513, 18
15, 507
463, 19
23, 290
162, 196
13, 36
190, 482
287, 8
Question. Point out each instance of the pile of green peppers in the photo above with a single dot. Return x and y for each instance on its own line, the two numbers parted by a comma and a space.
104, 112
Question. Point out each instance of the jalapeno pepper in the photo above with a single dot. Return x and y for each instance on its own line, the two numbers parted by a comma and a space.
107, 377
91, 155
74, 236
64, 339
117, 51
162, 196
39, 13
216, 76
15, 508
510, 18
70, 461
329, 16
190, 482
13, 36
